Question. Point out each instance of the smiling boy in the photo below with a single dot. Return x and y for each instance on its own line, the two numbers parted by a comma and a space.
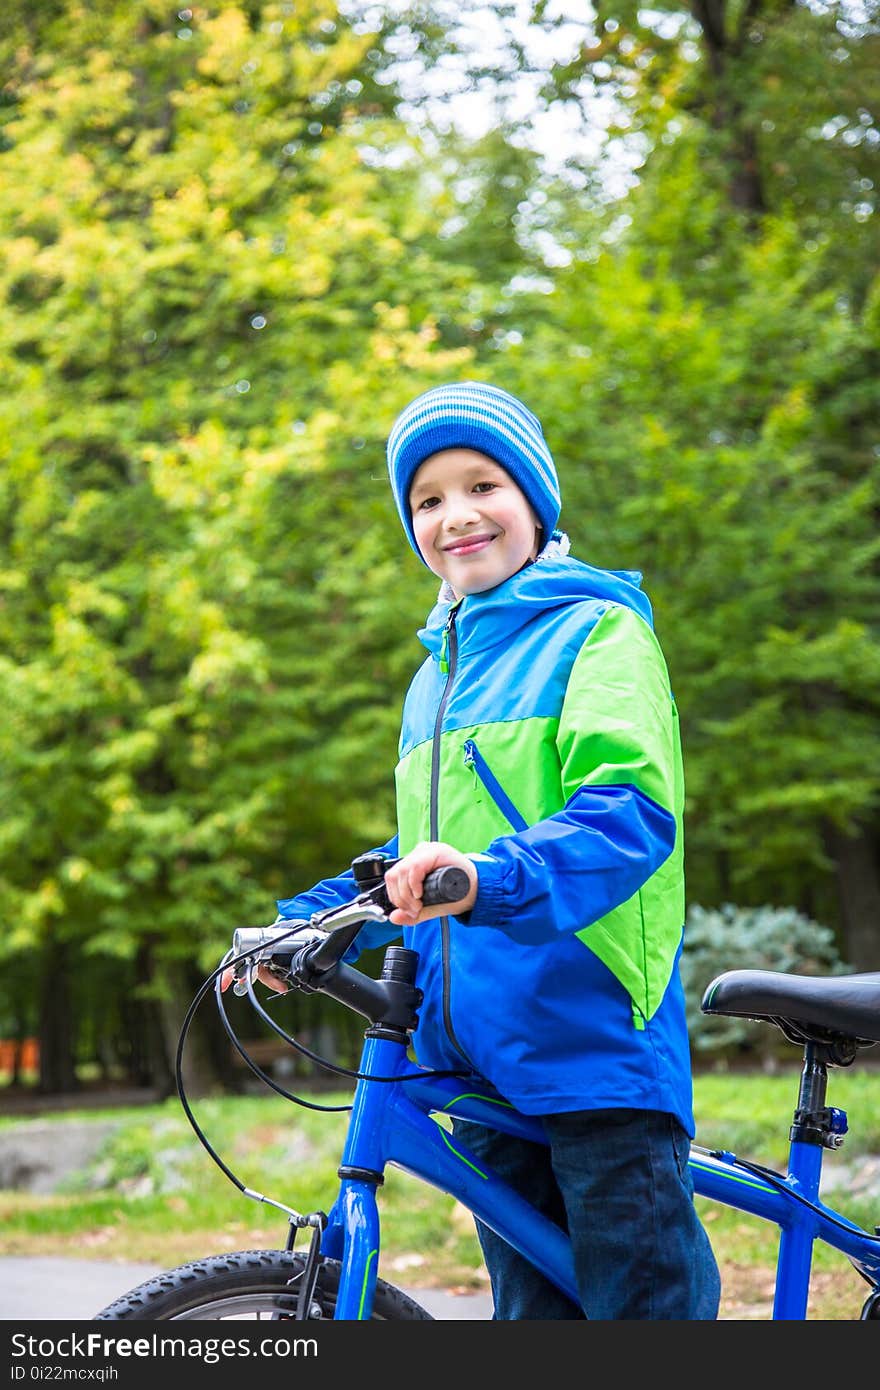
539, 751
472, 524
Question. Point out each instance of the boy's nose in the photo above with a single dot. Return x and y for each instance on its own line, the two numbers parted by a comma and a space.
460, 512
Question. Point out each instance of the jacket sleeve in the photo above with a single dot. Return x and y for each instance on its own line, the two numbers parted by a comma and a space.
333, 892
620, 765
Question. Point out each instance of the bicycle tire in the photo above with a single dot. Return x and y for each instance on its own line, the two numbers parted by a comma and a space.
248, 1283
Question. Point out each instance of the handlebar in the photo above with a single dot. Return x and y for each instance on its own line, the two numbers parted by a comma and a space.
303, 952
446, 885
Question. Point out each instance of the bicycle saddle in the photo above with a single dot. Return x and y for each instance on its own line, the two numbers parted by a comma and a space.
811, 1006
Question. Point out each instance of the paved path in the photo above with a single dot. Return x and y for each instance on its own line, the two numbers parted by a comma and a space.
48, 1289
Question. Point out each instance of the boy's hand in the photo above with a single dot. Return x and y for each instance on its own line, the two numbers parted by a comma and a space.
263, 975
404, 883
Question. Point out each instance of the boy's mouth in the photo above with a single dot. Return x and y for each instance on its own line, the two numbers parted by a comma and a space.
468, 545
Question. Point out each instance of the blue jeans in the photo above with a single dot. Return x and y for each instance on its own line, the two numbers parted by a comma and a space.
618, 1182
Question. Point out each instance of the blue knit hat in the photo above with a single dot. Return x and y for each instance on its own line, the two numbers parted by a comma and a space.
473, 415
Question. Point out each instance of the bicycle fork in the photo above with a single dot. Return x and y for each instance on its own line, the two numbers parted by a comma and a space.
352, 1234
386, 1126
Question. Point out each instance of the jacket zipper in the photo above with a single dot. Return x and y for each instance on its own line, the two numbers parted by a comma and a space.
474, 758
448, 663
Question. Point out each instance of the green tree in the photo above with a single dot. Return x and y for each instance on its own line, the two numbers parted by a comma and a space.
207, 334
709, 364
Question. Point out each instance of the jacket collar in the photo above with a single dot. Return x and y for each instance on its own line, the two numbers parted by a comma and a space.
554, 580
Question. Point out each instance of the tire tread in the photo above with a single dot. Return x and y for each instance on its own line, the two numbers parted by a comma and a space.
154, 1299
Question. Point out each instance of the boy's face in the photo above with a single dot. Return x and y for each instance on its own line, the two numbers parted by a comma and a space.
473, 524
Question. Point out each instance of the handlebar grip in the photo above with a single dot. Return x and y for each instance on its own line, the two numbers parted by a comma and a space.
447, 885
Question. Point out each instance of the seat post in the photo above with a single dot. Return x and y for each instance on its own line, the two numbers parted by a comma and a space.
814, 1082
814, 1128
816, 1124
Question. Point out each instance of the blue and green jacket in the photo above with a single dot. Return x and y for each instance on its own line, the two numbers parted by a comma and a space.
540, 736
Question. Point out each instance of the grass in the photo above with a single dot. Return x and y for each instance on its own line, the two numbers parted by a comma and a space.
153, 1195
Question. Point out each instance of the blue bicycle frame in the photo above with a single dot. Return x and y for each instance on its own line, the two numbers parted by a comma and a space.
393, 1122
722, 1180
397, 1113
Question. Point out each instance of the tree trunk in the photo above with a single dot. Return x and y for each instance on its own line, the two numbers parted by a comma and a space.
858, 884
154, 1018
56, 1031
148, 1061
206, 1061
727, 110
22, 1030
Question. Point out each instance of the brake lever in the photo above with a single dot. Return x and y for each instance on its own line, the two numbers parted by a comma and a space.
371, 906
335, 928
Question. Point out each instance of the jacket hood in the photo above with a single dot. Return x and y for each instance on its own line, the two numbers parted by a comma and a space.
554, 580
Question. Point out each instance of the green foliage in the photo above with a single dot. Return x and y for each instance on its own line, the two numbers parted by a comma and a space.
228, 262
206, 337
712, 431
760, 938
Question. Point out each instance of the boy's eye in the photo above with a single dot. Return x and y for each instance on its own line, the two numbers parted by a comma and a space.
427, 503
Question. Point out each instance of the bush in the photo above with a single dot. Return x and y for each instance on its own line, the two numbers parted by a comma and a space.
751, 938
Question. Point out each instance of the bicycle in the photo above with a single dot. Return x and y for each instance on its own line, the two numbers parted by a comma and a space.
394, 1121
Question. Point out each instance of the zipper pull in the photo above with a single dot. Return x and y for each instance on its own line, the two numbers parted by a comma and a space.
470, 760
444, 645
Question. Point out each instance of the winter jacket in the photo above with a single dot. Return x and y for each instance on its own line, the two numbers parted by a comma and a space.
540, 736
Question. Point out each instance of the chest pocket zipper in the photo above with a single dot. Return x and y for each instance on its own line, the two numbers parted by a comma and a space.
474, 758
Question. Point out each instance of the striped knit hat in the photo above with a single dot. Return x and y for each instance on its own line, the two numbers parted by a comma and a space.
473, 415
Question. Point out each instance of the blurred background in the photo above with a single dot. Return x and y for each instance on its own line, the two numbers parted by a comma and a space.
235, 239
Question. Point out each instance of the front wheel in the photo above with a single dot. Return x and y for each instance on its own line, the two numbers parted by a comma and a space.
871, 1309
258, 1284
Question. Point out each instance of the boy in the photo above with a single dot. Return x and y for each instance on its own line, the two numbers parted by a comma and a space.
539, 751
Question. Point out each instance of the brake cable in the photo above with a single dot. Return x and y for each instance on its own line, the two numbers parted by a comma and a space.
774, 1179
214, 980
334, 1066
